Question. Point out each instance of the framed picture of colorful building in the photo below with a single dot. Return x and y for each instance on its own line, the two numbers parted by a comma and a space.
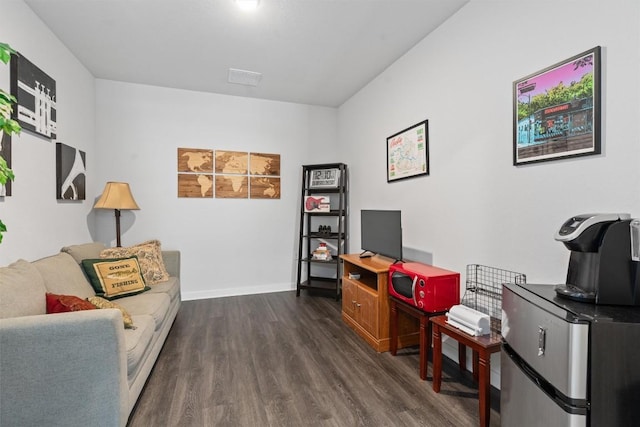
556, 111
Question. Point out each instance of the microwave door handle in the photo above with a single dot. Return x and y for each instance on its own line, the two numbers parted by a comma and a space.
413, 290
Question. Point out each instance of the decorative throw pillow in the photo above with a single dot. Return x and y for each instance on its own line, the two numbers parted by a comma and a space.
115, 278
149, 255
66, 303
98, 302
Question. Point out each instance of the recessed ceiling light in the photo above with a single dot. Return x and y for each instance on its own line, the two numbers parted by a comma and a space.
248, 5
244, 77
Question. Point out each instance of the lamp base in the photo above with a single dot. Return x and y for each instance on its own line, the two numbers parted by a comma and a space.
117, 213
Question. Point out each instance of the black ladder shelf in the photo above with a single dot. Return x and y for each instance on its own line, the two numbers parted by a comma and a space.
322, 223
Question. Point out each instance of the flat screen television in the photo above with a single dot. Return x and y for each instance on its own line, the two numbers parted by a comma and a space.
381, 233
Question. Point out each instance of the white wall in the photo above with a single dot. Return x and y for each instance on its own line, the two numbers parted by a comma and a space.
475, 207
37, 223
229, 246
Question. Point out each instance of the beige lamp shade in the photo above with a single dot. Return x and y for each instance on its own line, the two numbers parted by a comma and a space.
116, 195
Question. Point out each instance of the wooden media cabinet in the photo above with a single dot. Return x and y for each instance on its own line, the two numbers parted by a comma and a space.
365, 303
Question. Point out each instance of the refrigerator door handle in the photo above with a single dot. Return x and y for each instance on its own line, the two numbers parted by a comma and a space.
542, 336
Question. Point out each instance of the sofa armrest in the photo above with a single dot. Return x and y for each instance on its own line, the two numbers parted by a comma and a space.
63, 369
171, 259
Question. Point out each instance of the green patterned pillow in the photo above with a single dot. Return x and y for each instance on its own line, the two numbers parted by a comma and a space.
115, 278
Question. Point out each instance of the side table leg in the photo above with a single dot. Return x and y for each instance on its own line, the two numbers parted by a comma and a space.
484, 388
425, 345
437, 358
476, 361
462, 356
393, 328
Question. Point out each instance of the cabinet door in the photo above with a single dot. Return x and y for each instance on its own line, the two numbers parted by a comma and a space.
368, 308
349, 295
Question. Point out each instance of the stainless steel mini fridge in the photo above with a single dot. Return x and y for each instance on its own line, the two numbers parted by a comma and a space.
567, 363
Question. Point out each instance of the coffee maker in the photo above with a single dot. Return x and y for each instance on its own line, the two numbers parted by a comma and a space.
603, 265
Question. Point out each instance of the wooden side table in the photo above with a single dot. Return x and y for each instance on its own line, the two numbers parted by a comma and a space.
482, 346
425, 330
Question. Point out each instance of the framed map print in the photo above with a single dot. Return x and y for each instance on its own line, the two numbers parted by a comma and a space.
408, 152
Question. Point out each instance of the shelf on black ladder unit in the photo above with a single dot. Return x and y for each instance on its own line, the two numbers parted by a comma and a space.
328, 183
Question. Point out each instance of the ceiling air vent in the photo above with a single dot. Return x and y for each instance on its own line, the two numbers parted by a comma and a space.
244, 77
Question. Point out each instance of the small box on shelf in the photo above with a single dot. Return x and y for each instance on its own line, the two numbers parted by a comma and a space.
322, 253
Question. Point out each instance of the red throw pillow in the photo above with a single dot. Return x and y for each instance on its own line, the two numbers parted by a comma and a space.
66, 303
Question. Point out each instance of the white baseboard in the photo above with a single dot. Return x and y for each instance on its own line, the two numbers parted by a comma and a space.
236, 291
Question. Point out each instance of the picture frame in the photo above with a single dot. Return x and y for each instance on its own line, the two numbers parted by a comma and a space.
35, 93
556, 111
5, 152
71, 173
408, 152
324, 178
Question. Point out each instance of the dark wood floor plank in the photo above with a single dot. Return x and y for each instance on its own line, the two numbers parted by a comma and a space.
278, 360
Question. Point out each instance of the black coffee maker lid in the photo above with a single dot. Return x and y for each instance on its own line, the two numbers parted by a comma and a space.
575, 225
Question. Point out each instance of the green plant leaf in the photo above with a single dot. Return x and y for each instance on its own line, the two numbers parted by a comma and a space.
7, 98
6, 174
5, 52
7, 124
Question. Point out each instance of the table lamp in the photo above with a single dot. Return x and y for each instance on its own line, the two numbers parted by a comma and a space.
117, 196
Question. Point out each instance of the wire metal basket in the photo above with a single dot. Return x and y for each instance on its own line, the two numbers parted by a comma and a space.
483, 291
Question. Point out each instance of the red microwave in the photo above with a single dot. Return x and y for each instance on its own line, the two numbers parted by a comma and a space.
429, 288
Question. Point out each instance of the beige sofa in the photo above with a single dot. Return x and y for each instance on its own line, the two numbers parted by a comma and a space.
80, 368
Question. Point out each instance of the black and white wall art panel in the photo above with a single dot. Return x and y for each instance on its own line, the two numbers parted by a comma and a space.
5, 152
70, 172
35, 92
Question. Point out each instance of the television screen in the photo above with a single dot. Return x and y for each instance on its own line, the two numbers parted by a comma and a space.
382, 232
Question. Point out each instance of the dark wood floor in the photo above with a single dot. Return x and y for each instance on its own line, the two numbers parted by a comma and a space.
277, 360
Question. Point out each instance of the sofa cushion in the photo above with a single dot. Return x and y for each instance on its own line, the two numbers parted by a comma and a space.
22, 291
66, 303
149, 255
138, 343
98, 302
84, 251
170, 287
63, 276
115, 278
155, 305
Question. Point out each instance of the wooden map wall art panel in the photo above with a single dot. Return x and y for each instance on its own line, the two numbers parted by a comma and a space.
195, 185
195, 173
232, 187
265, 180
265, 164
265, 187
71, 171
5, 152
231, 170
195, 160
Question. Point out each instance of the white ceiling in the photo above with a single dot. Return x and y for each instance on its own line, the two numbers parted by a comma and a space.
317, 52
